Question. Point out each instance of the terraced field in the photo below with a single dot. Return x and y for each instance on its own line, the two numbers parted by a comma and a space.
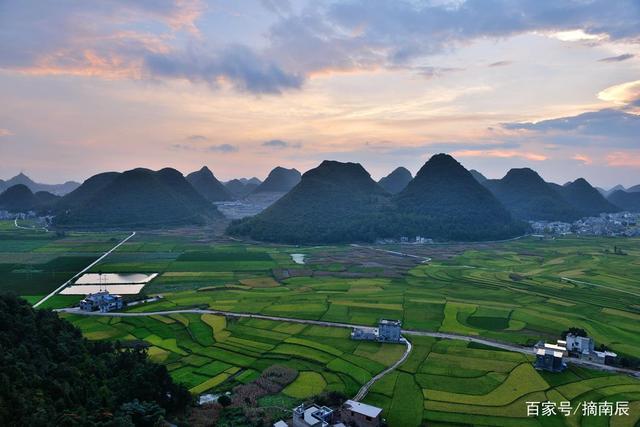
210, 352
455, 383
510, 292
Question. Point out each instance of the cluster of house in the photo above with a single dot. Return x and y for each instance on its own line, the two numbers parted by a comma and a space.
102, 301
550, 357
387, 331
612, 224
351, 413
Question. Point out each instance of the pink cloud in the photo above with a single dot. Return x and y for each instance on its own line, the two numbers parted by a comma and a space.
500, 154
586, 160
624, 159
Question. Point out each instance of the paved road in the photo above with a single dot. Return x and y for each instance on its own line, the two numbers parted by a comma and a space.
443, 335
80, 273
365, 388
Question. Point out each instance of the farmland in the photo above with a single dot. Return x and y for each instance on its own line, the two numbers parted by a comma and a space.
515, 292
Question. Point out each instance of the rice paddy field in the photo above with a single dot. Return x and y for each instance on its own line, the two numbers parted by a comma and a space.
519, 292
208, 352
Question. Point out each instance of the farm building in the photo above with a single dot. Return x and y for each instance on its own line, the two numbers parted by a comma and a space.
364, 334
548, 359
312, 416
102, 301
387, 331
361, 414
580, 345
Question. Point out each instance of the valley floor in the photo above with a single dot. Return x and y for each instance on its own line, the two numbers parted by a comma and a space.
514, 292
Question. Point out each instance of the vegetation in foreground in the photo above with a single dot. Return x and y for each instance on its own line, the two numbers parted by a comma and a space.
49, 374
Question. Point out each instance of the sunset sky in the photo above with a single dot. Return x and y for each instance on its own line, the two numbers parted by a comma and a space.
245, 85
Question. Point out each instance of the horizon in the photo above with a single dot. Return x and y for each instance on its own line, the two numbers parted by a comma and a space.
302, 172
231, 85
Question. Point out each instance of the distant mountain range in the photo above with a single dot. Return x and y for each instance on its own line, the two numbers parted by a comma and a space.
19, 198
626, 200
396, 181
208, 186
57, 189
279, 180
339, 202
335, 202
135, 198
529, 197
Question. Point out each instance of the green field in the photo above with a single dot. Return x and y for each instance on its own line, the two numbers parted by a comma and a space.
512, 292
452, 383
210, 352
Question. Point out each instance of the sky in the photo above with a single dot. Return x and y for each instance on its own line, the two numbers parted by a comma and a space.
245, 85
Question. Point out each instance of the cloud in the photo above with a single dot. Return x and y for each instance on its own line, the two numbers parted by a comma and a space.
223, 148
158, 40
195, 138
220, 148
431, 72
625, 93
618, 58
5, 132
364, 34
608, 126
500, 63
279, 144
500, 154
624, 159
279, 7
586, 160
237, 64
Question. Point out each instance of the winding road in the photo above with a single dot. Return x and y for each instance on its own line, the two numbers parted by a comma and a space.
442, 335
84, 270
365, 388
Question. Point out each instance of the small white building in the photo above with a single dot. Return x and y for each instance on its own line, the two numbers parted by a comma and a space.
360, 414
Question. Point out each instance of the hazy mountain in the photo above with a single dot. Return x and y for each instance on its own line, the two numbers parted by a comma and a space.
335, 202
528, 197
445, 201
396, 181
280, 180
606, 193
135, 198
634, 189
253, 180
208, 186
628, 201
586, 199
240, 189
59, 189
478, 176
19, 198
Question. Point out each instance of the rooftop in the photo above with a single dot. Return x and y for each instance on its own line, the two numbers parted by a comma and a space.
390, 322
363, 408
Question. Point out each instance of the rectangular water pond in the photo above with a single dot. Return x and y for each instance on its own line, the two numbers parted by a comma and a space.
114, 278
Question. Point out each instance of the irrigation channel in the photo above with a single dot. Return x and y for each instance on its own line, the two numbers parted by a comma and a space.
364, 390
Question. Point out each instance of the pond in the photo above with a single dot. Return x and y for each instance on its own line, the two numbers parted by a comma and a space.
130, 289
298, 258
114, 278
